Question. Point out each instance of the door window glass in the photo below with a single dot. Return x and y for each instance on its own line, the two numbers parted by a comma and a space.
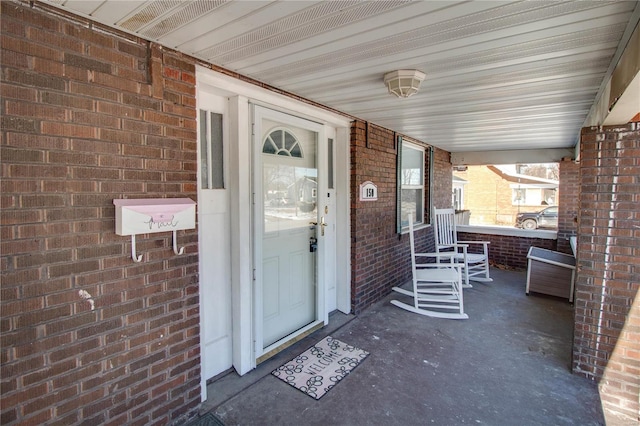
282, 142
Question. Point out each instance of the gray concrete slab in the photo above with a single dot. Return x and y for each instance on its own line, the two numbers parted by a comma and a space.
508, 364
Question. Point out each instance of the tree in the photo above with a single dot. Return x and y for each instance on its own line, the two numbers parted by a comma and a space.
542, 170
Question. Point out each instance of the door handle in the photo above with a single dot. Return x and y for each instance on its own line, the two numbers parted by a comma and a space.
322, 225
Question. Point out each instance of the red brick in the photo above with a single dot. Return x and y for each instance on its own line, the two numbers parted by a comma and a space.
8, 416
58, 369
77, 375
79, 401
35, 110
606, 251
27, 319
111, 81
36, 141
25, 305
105, 352
89, 35
32, 49
70, 323
68, 130
40, 418
138, 126
74, 139
120, 136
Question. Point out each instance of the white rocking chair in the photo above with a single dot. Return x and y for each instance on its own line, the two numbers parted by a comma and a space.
475, 266
437, 287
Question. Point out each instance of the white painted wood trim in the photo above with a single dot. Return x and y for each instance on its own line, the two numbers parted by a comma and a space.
241, 225
343, 219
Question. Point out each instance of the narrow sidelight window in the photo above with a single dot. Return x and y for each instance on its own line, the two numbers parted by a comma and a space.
330, 163
211, 151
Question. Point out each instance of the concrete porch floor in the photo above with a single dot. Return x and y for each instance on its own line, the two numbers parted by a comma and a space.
508, 364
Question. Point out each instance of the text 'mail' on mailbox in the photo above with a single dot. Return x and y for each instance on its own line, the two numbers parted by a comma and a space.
151, 215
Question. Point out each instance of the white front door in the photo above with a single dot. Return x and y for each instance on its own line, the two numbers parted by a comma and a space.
214, 235
289, 187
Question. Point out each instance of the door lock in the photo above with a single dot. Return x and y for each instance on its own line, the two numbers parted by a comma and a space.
313, 244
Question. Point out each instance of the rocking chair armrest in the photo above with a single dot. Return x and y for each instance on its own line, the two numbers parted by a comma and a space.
445, 258
457, 248
437, 255
485, 243
455, 266
456, 245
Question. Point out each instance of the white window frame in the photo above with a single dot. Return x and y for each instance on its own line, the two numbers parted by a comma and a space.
419, 218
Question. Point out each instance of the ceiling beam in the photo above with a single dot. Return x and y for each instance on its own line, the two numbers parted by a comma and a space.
529, 156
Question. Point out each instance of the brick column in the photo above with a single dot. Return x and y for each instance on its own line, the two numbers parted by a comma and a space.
569, 189
607, 307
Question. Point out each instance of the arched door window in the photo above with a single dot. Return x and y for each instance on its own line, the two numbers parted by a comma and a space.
282, 142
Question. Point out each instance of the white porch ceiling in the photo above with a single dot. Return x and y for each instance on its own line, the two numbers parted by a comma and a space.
501, 75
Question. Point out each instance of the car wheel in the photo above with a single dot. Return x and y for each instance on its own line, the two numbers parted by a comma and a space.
529, 224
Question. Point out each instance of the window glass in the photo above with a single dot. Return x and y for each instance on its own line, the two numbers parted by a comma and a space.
511, 195
204, 151
217, 156
412, 184
211, 151
330, 163
282, 142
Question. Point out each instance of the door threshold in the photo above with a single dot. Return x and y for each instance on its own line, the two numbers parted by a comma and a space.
289, 340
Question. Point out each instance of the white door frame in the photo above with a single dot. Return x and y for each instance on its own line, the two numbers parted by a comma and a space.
240, 95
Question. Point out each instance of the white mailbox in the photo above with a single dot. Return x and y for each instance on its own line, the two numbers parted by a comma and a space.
151, 215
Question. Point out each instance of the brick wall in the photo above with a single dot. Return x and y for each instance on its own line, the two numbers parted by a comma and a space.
88, 336
505, 250
568, 198
607, 305
380, 257
442, 185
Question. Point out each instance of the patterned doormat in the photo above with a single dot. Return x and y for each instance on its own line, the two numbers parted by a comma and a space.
209, 419
321, 367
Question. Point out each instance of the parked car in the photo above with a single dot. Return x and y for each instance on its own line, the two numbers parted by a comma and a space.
545, 218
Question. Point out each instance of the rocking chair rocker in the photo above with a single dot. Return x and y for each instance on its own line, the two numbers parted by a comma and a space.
475, 266
437, 287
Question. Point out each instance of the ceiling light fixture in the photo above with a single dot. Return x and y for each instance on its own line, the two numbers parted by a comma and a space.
404, 83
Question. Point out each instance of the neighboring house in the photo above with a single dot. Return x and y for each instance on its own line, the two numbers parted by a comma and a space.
496, 194
459, 186
92, 336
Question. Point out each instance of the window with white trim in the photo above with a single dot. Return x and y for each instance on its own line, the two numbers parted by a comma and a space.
411, 176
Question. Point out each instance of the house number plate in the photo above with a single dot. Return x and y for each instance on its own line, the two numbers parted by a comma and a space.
368, 191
